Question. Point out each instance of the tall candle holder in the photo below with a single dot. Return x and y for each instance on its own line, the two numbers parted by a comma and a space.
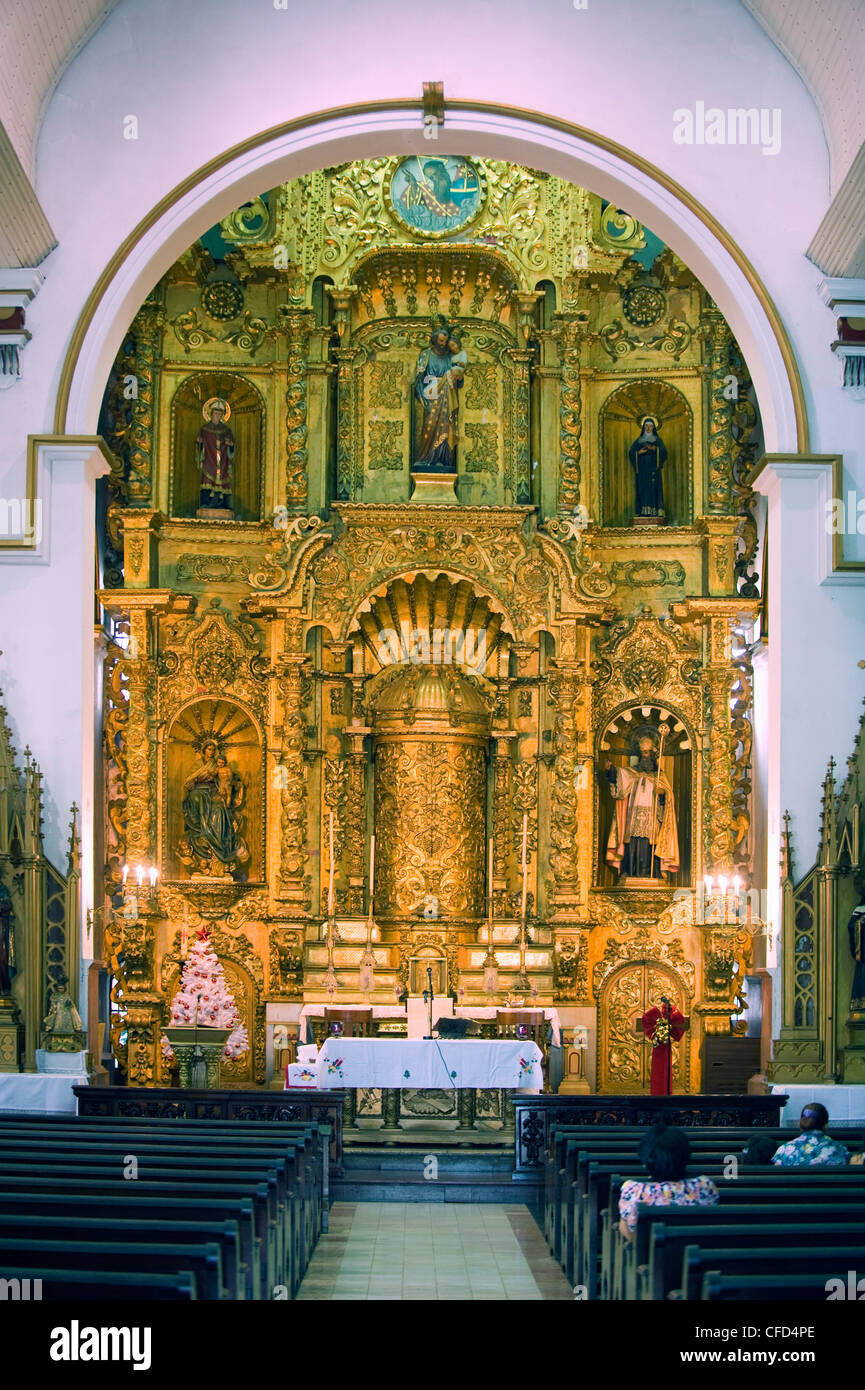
367, 960
491, 964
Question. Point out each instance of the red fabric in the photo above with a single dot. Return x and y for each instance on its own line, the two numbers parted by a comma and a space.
661, 1073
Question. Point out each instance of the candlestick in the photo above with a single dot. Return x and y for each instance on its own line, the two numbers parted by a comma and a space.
330, 897
525, 866
371, 872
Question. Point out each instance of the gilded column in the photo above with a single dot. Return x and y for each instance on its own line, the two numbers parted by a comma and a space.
291, 682
521, 470
147, 333
349, 462
356, 855
720, 412
502, 818
141, 689
718, 818
565, 691
570, 332
298, 323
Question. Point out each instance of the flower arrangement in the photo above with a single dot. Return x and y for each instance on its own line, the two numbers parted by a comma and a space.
204, 1000
661, 1033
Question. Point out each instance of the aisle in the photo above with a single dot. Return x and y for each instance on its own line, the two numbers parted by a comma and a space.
418, 1250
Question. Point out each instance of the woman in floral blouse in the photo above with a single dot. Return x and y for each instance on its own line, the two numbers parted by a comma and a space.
665, 1151
812, 1147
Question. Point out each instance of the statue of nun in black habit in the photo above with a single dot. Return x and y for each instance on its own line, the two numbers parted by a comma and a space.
648, 454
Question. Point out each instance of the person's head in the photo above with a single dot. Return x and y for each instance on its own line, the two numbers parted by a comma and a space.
665, 1151
760, 1149
208, 751
646, 760
217, 412
454, 345
814, 1117
439, 341
222, 761
649, 425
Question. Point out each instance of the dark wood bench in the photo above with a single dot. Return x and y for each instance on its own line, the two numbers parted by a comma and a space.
75, 1285
203, 1261
664, 1274
146, 1213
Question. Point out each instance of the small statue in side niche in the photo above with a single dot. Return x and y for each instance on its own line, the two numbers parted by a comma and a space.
648, 454
63, 1028
212, 817
7, 944
215, 453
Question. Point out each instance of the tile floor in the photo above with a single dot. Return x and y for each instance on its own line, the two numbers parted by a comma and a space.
417, 1250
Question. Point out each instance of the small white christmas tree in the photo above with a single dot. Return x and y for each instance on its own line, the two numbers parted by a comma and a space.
204, 1000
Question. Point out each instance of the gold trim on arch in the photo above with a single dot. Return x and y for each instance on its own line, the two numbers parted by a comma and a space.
481, 108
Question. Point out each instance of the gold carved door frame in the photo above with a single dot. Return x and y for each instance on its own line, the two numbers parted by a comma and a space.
624, 1058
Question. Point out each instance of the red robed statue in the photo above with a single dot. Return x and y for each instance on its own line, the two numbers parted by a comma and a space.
662, 1026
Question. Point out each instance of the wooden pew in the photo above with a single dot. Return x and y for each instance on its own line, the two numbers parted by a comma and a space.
664, 1274
789, 1288
143, 1214
745, 1216
144, 1231
758, 1186
203, 1261
75, 1285
69, 1182
827, 1261
182, 1163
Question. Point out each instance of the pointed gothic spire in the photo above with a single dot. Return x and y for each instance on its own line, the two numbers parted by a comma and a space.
827, 816
786, 849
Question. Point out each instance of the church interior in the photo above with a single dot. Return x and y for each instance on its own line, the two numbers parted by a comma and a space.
431, 757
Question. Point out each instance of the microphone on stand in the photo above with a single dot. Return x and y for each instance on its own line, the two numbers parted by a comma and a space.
429, 996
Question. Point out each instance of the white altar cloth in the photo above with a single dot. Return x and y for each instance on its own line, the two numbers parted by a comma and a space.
39, 1092
401, 1063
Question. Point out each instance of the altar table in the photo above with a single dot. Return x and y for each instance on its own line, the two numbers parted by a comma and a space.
403, 1063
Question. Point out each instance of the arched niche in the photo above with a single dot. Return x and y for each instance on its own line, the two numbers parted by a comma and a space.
621, 416
247, 423
213, 795
618, 744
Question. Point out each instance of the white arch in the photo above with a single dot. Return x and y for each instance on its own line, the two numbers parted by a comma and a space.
519, 137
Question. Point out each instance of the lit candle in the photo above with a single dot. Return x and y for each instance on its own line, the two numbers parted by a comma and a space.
184, 932
708, 881
153, 877
371, 869
140, 873
722, 881
125, 874
737, 884
524, 865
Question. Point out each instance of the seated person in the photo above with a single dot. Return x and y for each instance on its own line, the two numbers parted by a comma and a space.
665, 1151
760, 1150
857, 1158
812, 1146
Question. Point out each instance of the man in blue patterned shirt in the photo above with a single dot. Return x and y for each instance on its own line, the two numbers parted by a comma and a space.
812, 1146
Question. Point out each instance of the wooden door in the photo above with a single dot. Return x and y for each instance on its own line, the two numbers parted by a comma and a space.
625, 1059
